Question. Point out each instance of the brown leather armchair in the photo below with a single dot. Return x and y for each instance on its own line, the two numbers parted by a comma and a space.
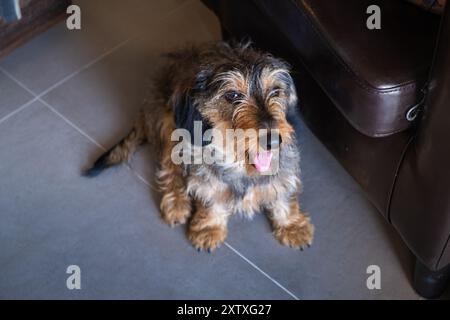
378, 99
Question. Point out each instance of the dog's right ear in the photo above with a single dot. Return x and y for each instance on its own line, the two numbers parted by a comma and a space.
185, 109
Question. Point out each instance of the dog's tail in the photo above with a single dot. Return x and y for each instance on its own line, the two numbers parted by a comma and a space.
122, 151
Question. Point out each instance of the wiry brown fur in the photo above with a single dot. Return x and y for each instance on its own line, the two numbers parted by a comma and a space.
194, 85
175, 203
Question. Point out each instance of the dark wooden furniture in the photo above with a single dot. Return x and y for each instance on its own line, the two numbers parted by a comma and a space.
37, 16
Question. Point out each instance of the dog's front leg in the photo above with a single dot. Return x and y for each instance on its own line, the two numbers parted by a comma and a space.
208, 227
175, 202
291, 227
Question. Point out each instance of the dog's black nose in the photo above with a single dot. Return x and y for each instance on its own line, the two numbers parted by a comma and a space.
273, 141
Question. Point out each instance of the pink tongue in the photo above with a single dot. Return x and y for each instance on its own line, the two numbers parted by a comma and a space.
262, 161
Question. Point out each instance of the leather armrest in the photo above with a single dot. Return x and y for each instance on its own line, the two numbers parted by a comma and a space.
420, 205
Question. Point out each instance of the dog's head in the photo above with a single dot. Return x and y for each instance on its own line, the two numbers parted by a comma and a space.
241, 89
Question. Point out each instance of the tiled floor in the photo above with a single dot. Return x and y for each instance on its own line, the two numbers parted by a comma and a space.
66, 95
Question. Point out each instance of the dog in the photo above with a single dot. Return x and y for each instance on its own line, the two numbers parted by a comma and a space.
222, 87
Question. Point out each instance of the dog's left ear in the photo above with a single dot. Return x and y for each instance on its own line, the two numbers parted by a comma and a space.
292, 93
290, 85
185, 109
286, 77
292, 112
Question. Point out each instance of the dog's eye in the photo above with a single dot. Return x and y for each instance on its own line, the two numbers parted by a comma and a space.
233, 96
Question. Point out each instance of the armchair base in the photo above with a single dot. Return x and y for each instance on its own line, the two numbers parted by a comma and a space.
430, 284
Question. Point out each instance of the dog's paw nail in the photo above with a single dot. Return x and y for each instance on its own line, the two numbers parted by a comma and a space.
301, 248
309, 246
198, 250
209, 250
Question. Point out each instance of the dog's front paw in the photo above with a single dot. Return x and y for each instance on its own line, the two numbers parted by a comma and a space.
298, 233
208, 238
175, 208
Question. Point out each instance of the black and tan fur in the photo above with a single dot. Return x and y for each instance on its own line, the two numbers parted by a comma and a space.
193, 85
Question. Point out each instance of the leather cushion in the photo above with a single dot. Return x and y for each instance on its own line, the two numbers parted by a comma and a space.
435, 6
373, 76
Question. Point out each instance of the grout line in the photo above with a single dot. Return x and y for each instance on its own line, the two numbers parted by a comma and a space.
73, 74
65, 119
17, 81
37, 97
46, 104
24, 106
72, 125
142, 179
232, 248
260, 270
70, 76
84, 67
